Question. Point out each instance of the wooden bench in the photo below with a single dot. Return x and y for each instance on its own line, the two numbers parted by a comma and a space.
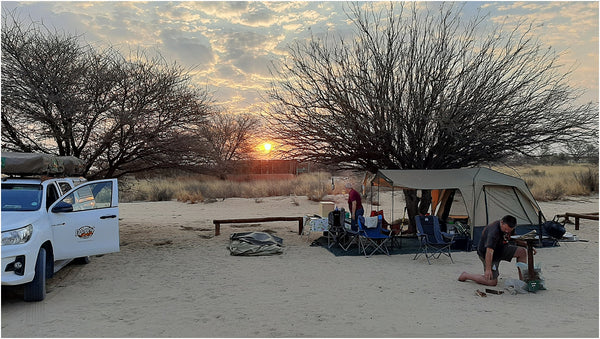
577, 216
218, 223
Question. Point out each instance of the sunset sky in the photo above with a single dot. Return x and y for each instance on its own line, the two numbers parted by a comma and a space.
230, 45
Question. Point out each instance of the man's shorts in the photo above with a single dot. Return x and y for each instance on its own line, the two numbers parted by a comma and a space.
508, 253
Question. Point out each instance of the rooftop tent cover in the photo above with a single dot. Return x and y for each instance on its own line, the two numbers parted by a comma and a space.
41, 164
488, 195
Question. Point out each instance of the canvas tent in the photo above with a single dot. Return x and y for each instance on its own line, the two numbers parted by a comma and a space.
488, 195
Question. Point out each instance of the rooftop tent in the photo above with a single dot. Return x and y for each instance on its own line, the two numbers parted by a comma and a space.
488, 195
41, 164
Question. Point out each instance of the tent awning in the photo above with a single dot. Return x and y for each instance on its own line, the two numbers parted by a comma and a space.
440, 179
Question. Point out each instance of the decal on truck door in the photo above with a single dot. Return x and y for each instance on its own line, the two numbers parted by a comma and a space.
85, 232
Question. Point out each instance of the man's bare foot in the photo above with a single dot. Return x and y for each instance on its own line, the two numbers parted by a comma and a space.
463, 277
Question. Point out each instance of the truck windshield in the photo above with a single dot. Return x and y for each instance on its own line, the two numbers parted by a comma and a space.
21, 197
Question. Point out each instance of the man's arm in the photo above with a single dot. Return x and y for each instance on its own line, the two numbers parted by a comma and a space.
489, 255
353, 211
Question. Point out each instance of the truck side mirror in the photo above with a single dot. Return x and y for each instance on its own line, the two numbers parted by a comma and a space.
62, 207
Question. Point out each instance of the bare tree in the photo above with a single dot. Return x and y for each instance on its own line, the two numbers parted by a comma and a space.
421, 90
228, 137
40, 77
151, 121
119, 115
580, 150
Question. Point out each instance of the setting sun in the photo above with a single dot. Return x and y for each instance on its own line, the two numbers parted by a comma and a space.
267, 147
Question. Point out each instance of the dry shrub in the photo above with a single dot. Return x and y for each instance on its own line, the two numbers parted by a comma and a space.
145, 190
192, 198
556, 182
215, 189
161, 193
552, 193
530, 183
536, 172
266, 188
194, 189
545, 182
588, 179
316, 195
132, 194
315, 186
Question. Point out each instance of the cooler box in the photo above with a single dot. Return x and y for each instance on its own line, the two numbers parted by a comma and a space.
325, 207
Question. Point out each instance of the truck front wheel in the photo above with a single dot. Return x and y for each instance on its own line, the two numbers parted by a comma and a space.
36, 289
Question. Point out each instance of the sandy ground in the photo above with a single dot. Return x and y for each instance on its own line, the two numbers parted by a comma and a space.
172, 278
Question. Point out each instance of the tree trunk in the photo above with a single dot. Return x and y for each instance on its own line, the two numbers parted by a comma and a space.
425, 201
416, 206
412, 208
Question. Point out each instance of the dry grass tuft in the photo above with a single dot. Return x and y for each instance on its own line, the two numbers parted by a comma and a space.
545, 182
315, 186
556, 182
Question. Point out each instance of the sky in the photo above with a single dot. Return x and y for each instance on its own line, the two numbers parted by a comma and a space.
230, 46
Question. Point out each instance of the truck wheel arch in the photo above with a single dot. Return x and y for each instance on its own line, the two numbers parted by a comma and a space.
49, 259
36, 289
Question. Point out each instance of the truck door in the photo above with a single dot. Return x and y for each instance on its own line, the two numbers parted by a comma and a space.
85, 221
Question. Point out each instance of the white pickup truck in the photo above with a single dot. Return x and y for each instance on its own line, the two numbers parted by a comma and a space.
46, 223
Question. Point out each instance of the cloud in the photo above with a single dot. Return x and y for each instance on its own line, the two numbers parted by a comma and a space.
232, 12
248, 50
253, 64
191, 50
570, 28
233, 43
258, 17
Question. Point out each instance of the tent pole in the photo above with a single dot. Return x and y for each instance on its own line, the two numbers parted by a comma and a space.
378, 197
541, 244
487, 214
393, 203
371, 203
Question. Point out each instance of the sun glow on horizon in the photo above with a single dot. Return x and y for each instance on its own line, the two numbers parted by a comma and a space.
267, 146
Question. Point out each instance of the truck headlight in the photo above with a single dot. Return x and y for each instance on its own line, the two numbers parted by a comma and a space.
18, 236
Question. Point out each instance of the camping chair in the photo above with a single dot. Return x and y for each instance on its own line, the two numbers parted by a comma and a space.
375, 239
433, 242
336, 230
349, 238
395, 230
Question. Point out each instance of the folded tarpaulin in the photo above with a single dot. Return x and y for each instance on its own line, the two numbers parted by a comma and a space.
41, 164
255, 243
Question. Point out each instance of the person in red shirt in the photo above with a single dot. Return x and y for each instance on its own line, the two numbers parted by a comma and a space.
355, 205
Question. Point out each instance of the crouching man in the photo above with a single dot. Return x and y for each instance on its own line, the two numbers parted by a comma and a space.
493, 247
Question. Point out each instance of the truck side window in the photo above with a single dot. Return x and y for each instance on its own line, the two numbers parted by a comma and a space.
51, 195
64, 186
91, 196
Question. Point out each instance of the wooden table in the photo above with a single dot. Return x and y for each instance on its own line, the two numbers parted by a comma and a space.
530, 267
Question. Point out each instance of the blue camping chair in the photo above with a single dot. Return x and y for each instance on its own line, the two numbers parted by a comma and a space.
372, 239
433, 242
